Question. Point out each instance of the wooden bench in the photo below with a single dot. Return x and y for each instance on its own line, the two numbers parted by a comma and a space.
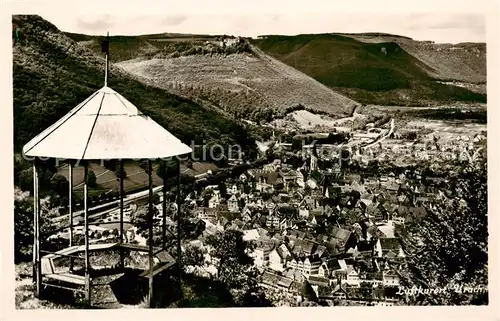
67, 278
47, 266
157, 269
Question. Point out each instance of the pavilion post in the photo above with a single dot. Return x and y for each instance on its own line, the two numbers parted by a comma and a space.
179, 251
35, 203
150, 234
164, 206
70, 209
86, 222
121, 211
36, 245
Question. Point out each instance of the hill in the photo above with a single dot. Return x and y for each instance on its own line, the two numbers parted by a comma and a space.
226, 72
463, 62
52, 74
378, 69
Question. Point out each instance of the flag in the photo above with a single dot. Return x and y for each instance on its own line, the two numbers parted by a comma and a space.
105, 45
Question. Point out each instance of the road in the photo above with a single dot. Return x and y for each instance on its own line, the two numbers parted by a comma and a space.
391, 130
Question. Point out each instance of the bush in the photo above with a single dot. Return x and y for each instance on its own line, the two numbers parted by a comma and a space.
120, 174
60, 184
91, 179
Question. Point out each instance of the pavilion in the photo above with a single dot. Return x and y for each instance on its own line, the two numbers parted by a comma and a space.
105, 126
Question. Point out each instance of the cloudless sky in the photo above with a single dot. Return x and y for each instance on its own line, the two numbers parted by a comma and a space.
438, 20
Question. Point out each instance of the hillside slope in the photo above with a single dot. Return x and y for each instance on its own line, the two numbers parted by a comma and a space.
464, 62
52, 74
370, 72
237, 77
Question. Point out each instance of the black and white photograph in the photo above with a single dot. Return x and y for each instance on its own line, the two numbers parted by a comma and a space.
249, 160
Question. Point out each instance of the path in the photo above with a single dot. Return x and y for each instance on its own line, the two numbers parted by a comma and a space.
391, 130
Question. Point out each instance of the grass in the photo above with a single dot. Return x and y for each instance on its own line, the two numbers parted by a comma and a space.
372, 73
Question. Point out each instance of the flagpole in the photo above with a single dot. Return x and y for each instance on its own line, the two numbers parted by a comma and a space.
107, 54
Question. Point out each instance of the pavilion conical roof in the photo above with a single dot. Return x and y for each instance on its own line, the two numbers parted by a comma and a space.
105, 126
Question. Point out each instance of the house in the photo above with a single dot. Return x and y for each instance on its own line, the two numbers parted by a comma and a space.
339, 292
319, 281
278, 257
205, 212
398, 220
391, 187
222, 223
232, 204
390, 278
389, 248
215, 200
247, 216
373, 278
289, 178
311, 265
238, 224
373, 232
320, 251
317, 219
243, 178
352, 276
300, 179
233, 190
328, 267
266, 181
304, 211
272, 221
251, 235
261, 254
305, 247
367, 199
365, 249
312, 183
344, 237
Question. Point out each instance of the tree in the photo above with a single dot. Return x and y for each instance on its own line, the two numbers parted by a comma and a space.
156, 198
26, 179
457, 228
119, 173
307, 292
23, 224
193, 256
241, 203
171, 169
230, 251
91, 179
60, 184
223, 189
144, 164
140, 219
111, 165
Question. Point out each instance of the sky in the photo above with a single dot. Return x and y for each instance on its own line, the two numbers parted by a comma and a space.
438, 20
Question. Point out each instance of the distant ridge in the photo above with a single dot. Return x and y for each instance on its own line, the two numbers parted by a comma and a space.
371, 34
384, 69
